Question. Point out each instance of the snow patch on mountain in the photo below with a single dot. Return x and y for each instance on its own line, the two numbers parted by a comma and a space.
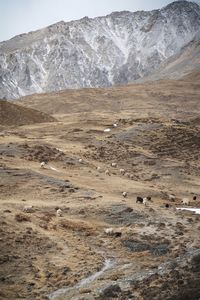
116, 49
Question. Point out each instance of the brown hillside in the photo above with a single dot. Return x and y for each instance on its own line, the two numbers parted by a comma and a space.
12, 114
68, 230
139, 97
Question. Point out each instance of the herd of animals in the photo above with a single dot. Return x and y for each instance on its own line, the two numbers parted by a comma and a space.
141, 200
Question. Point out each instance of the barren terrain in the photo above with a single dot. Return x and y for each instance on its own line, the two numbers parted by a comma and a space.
152, 251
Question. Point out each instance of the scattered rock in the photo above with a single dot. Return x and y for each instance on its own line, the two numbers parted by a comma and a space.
22, 218
7, 211
110, 291
65, 270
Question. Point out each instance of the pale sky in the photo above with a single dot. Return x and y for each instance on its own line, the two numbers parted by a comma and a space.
20, 16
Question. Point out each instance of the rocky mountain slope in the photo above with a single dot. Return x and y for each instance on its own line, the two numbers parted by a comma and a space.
116, 49
187, 61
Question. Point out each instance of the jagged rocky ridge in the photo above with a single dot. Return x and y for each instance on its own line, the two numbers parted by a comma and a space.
116, 49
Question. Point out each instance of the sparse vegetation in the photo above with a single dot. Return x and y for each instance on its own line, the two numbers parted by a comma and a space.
78, 222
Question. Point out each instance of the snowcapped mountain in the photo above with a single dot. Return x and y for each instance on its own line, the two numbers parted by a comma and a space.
116, 49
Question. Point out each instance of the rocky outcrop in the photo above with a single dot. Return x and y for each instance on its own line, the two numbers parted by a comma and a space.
104, 51
174, 280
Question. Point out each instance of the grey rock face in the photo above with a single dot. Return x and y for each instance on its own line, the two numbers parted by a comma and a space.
104, 51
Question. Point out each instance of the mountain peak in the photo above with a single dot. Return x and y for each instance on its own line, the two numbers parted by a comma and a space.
182, 4
104, 51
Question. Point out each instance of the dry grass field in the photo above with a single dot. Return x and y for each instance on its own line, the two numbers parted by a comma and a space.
156, 141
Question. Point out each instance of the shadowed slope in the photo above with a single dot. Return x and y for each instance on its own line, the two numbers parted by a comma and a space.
12, 114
